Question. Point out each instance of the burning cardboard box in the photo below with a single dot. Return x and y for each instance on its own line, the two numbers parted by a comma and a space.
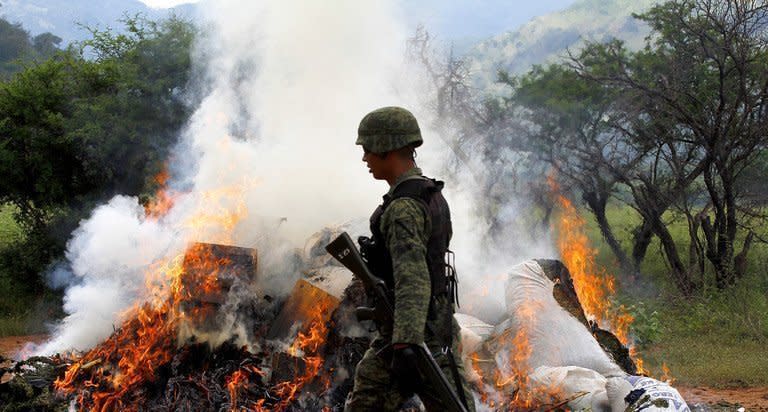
210, 271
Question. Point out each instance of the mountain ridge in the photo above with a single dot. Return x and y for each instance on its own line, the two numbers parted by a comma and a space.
546, 38
69, 21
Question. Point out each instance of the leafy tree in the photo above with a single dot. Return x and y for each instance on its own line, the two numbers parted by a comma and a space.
14, 44
571, 128
46, 44
39, 161
137, 103
74, 130
705, 71
680, 124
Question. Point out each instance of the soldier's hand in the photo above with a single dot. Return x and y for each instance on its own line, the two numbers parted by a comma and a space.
405, 368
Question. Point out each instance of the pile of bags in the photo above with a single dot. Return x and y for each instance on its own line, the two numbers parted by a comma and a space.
563, 355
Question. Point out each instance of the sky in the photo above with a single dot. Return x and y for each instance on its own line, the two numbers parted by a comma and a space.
478, 18
166, 3
461, 18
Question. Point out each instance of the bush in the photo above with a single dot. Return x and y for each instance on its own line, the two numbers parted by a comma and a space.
647, 327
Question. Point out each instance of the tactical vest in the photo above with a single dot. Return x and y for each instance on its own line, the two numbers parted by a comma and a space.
441, 273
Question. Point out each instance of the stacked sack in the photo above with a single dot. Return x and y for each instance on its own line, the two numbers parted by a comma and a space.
565, 356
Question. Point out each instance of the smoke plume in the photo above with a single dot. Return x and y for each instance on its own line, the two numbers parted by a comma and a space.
268, 158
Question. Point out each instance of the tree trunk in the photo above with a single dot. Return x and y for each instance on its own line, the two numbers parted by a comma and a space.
680, 274
720, 236
696, 252
597, 205
641, 236
740, 261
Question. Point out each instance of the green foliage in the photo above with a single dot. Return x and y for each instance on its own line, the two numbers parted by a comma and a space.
75, 130
718, 340
26, 304
646, 328
40, 162
10, 232
676, 130
709, 360
138, 108
14, 40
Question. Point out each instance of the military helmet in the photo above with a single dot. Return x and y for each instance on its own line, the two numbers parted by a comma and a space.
387, 129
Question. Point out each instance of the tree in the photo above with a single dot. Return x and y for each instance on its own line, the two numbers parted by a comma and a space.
136, 103
705, 71
571, 128
74, 130
46, 44
40, 163
679, 124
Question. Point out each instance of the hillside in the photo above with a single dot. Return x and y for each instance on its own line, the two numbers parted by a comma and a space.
546, 38
64, 19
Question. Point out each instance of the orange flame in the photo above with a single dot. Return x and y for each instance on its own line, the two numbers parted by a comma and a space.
508, 385
110, 376
593, 287
666, 375
237, 381
163, 200
308, 346
133, 353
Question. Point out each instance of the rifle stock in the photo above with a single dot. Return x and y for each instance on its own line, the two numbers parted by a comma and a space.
345, 251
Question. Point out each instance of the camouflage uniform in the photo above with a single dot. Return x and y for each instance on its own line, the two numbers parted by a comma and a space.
406, 227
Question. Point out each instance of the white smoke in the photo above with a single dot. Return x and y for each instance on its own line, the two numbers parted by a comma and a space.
268, 157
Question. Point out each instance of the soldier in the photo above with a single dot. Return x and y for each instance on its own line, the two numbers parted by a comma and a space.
408, 250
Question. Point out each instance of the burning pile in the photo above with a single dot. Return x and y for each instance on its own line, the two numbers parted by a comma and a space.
556, 349
167, 355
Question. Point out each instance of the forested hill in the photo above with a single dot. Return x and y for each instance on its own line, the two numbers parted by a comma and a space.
544, 39
65, 17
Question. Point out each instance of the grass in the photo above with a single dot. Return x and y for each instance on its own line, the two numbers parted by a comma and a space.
21, 313
709, 361
717, 338
9, 231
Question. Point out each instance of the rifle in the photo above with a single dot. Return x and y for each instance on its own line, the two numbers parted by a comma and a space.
344, 250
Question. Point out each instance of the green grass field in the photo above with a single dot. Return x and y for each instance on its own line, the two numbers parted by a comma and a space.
718, 339
20, 312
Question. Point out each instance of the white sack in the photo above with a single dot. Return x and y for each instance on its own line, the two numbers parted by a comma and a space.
652, 395
473, 333
556, 337
570, 381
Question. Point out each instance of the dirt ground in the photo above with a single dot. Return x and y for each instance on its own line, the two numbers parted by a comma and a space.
752, 399
9, 345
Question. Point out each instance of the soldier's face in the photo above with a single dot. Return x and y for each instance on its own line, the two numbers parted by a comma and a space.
377, 164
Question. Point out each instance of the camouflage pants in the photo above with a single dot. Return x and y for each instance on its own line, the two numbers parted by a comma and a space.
375, 390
